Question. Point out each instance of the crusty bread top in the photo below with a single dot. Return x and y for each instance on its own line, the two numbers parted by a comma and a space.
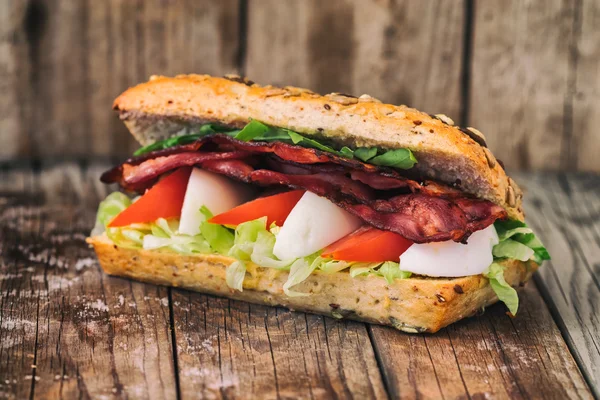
166, 106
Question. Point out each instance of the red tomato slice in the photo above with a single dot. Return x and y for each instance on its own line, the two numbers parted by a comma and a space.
276, 208
368, 244
163, 200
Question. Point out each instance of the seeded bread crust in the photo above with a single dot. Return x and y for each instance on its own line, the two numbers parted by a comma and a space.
412, 305
163, 107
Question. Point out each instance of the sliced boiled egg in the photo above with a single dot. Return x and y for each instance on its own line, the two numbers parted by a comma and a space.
451, 259
313, 224
216, 192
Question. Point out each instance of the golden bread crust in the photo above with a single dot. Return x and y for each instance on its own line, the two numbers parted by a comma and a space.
412, 305
166, 106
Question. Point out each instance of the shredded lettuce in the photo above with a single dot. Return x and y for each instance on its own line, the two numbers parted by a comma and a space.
253, 241
234, 275
109, 208
506, 293
391, 271
257, 131
299, 271
164, 234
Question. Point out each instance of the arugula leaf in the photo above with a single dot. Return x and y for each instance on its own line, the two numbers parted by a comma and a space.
205, 130
254, 130
399, 158
257, 131
365, 153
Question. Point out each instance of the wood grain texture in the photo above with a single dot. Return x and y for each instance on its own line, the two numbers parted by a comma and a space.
491, 356
399, 51
585, 56
232, 349
565, 212
63, 62
520, 86
66, 329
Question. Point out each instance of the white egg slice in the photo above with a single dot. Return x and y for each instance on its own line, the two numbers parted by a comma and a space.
313, 224
451, 259
216, 192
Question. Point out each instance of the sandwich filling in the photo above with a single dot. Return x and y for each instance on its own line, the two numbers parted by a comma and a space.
275, 198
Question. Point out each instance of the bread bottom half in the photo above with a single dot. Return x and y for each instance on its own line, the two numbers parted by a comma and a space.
415, 305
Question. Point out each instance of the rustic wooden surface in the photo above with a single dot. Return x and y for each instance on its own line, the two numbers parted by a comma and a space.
67, 330
525, 72
566, 214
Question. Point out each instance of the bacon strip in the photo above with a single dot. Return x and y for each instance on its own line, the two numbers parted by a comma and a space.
422, 212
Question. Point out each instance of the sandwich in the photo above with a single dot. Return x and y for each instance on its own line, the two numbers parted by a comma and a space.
335, 204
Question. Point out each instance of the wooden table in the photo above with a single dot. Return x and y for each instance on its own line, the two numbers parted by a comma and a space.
67, 330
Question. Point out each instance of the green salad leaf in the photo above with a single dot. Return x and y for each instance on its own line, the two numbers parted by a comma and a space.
506, 293
234, 275
365, 153
515, 238
516, 241
512, 249
205, 130
391, 271
257, 131
109, 208
218, 237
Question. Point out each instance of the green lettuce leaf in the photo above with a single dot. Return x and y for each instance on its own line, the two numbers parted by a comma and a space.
299, 271
512, 249
218, 237
234, 275
251, 242
164, 234
262, 253
361, 269
506, 293
391, 271
511, 231
333, 266
109, 208
245, 238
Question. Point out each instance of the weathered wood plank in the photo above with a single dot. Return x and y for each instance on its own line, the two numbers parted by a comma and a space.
399, 51
87, 52
67, 330
519, 85
231, 349
14, 68
491, 356
583, 153
565, 211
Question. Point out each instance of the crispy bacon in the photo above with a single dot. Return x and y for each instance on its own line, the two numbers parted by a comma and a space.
419, 211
